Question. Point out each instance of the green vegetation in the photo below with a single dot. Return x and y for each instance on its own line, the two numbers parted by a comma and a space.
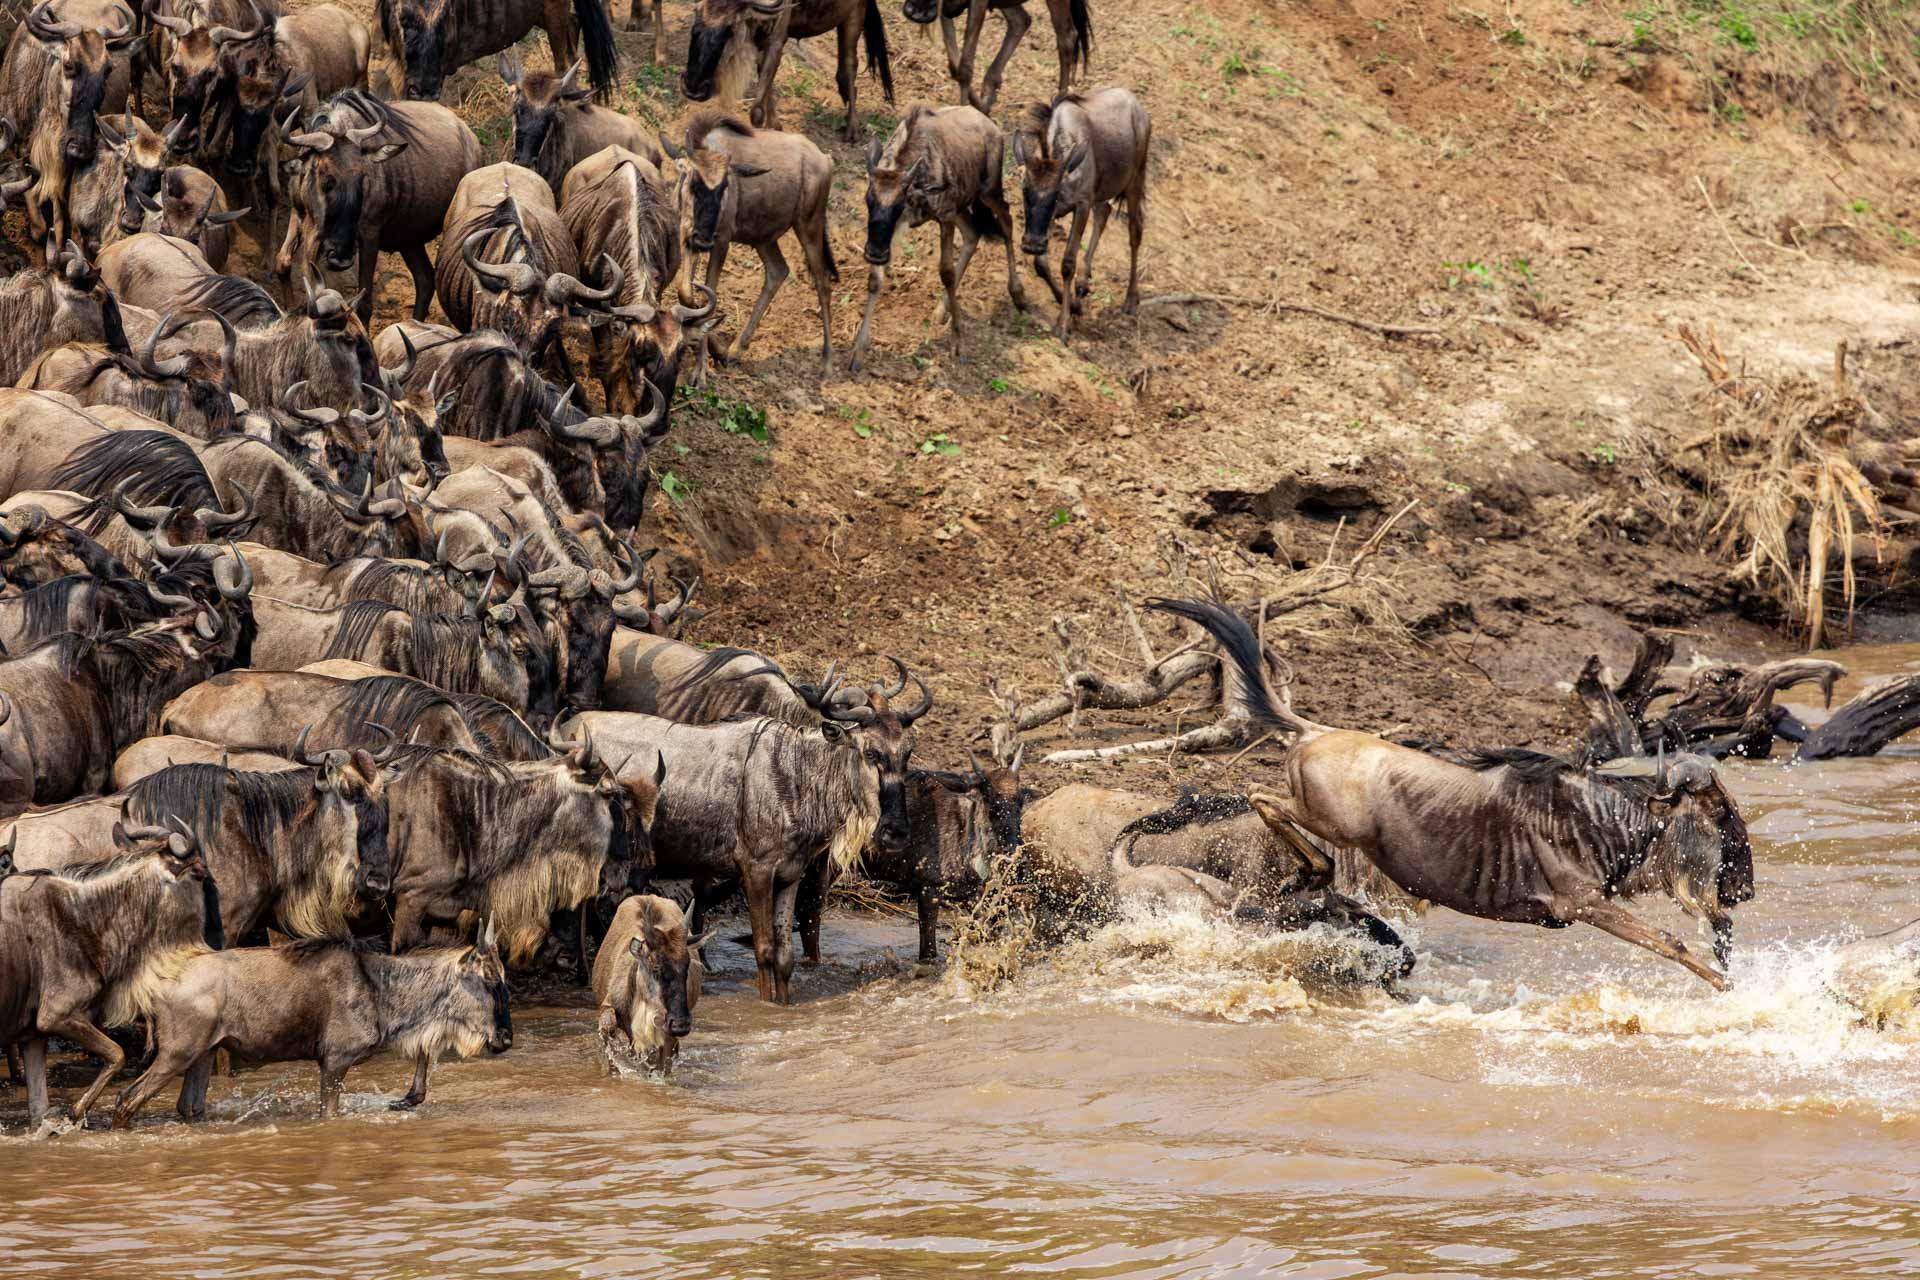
1061, 516
735, 417
941, 444
674, 487
1471, 273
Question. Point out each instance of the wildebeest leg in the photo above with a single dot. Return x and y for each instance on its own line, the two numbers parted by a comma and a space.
1069, 304
929, 908
1017, 23
813, 243
560, 33
808, 905
193, 1089
1065, 38
1043, 269
762, 116
35, 1054
1277, 812
847, 75
167, 1065
659, 35
716, 259
757, 883
283, 258
633, 15
996, 203
776, 271
369, 265
1101, 213
415, 256
976, 23
783, 904
1626, 926
408, 925
14, 1072
580, 943
950, 281
1136, 228
80, 1029
953, 50
417, 1093
331, 1079
876, 281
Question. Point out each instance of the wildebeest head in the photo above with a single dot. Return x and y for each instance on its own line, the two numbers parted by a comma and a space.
883, 739
632, 802
656, 984
143, 163
721, 48
479, 1004
888, 190
426, 26
198, 69
354, 785
186, 206
533, 303
999, 801
519, 653
208, 385
257, 102
189, 901
541, 102
920, 12
1699, 852
84, 56
708, 200
575, 607
1047, 175
338, 167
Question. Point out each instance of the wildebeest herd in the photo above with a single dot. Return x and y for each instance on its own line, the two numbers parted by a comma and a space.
351, 637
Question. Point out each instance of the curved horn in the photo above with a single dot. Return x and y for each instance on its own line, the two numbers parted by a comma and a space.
405, 371
373, 419
767, 8
645, 422
145, 517
300, 749
515, 277
6, 708
206, 626
318, 417
569, 82
234, 577
168, 553
635, 564
688, 315
638, 312
229, 345
178, 26
40, 22
311, 141
908, 716
900, 669
216, 520
170, 324
361, 137
393, 743
601, 433
169, 599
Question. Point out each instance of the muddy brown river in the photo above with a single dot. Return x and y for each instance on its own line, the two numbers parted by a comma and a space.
1164, 1098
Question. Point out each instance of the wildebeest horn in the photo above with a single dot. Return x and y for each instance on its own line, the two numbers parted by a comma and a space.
384, 401
687, 315
6, 708
900, 668
178, 26
393, 743
166, 551
228, 35
601, 433
564, 290
405, 371
146, 202
172, 134
908, 716
216, 520
1689, 772
361, 137
515, 277
311, 141
170, 600
170, 324
767, 7
638, 312
568, 84
206, 625
17, 187
142, 517
635, 563
656, 413
40, 22
318, 417
300, 748
233, 577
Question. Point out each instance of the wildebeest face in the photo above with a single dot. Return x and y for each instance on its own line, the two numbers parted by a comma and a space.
340, 175
920, 12
888, 190
706, 43
143, 163
886, 747
711, 199
192, 902
423, 38
1006, 802
515, 640
84, 66
1045, 176
194, 71
482, 988
539, 100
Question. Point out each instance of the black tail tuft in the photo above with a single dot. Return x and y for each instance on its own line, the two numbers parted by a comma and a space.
878, 61
1082, 33
1249, 695
596, 34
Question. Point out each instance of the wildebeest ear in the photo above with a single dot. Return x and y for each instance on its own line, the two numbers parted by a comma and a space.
746, 170
508, 72
874, 147
385, 152
666, 145
831, 731
660, 772
222, 219
694, 944
635, 946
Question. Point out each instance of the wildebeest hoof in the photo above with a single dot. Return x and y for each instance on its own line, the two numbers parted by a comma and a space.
407, 1103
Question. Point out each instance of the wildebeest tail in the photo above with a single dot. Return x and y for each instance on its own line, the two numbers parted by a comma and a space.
1082, 33
596, 34
1246, 689
878, 60
826, 251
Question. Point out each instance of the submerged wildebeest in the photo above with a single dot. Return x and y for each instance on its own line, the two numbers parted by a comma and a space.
431, 39
1514, 836
94, 946
728, 35
331, 1002
1072, 39
739, 184
943, 166
761, 801
1082, 154
646, 981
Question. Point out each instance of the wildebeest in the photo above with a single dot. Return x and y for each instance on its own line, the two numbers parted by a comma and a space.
660, 676
507, 262
1072, 39
93, 947
60, 73
36, 549
42, 309
303, 56
158, 468
274, 711
646, 981
760, 801
516, 840
942, 166
335, 1003
199, 68
1082, 154
556, 125
739, 184
164, 750
429, 39
617, 204
194, 208
728, 36
109, 199
189, 391
1518, 836
375, 177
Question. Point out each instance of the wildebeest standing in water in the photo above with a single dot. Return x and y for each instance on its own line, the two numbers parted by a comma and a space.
646, 981
942, 166
93, 947
1081, 155
739, 184
1072, 38
331, 1002
728, 35
430, 39
1522, 837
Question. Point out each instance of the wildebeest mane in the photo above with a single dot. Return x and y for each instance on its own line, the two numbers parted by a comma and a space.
235, 297
709, 119
398, 583
307, 950
409, 755
1529, 766
159, 470
354, 632
267, 803
372, 109
47, 605
396, 703
500, 728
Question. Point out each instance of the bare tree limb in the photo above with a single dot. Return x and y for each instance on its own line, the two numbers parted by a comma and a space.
1217, 736
1092, 691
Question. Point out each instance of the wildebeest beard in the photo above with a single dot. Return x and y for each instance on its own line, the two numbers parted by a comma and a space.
705, 46
422, 42
883, 222
83, 106
340, 222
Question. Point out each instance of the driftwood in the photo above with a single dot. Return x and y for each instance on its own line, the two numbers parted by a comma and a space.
1869, 722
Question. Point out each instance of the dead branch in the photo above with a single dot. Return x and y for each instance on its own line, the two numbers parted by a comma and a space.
1218, 736
1273, 305
1090, 690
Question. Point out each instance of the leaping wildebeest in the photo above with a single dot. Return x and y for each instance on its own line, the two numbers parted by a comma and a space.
1072, 39
1513, 835
739, 184
430, 39
941, 166
728, 36
1082, 154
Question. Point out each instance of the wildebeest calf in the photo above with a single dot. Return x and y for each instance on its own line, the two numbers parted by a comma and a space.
334, 1003
646, 981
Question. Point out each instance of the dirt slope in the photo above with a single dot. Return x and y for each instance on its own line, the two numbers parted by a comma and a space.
1554, 187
